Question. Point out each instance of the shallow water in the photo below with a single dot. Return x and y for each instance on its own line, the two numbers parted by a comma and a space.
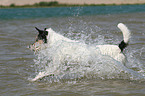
18, 64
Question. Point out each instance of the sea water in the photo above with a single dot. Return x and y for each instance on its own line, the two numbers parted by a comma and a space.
98, 75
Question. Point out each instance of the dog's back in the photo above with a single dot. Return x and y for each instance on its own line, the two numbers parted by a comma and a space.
54, 37
116, 51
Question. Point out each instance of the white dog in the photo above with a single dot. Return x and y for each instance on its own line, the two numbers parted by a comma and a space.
49, 38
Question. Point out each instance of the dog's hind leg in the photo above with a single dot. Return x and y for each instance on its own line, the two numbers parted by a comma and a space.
126, 36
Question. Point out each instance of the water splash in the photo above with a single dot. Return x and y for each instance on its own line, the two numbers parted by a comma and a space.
90, 65
84, 63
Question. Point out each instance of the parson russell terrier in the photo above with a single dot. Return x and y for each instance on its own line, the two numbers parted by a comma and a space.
48, 38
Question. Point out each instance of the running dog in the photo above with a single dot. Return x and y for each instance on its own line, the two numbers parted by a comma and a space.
49, 38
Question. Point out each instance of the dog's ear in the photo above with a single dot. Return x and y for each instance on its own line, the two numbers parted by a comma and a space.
37, 29
40, 31
45, 33
45, 29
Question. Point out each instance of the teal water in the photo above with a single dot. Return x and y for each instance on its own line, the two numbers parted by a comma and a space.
92, 25
26, 13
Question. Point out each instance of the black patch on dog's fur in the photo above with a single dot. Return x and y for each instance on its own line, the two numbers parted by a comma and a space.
42, 35
122, 45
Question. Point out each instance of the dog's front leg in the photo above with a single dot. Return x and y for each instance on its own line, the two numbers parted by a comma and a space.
40, 76
44, 74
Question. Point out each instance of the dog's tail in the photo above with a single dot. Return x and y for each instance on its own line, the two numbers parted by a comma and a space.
126, 35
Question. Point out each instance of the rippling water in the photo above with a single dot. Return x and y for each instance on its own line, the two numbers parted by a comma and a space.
92, 25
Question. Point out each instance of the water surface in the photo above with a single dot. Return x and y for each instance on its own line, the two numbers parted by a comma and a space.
92, 25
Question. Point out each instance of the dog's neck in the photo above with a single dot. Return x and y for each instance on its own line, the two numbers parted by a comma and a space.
54, 37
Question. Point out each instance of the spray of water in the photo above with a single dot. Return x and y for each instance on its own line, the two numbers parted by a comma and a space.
84, 63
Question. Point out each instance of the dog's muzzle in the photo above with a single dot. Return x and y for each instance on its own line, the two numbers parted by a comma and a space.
34, 46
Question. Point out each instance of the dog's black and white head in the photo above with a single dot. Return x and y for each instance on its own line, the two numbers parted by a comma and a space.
47, 38
40, 40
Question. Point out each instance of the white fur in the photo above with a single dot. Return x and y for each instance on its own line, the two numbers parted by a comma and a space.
125, 31
110, 50
71, 48
113, 50
54, 37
